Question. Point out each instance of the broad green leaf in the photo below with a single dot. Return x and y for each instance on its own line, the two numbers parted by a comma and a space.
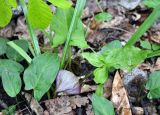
39, 14
61, 23
103, 16
151, 3
145, 44
5, 13
41, 73
153, 85
13, 54
11, 82
125, 58
61, 3
3, 45
93, 58
9, 72
12, 3
155, 46
102, 106
100, 75
78, 37
110, 46
10, 65
99, 90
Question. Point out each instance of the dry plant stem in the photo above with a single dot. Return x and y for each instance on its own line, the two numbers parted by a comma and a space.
30, 29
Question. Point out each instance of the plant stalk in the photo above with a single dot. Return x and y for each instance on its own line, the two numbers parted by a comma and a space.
30, 29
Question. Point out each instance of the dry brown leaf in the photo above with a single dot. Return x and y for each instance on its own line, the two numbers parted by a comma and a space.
34, 105
156, 37
157, 65
88, 88
108, 88
64, 105
119, 96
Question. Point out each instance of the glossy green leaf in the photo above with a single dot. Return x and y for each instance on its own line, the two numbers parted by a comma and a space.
102, 106
110, 46
9, 72
5, 13
13, 54
12, 3
61, 23
61, 3
100, 75
145, 44
125, 58
39, 14
93, 58
3, 45
11, 82
41, 73
151, 3
103, 16
153, 85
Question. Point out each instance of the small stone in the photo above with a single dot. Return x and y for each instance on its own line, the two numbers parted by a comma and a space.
137, 111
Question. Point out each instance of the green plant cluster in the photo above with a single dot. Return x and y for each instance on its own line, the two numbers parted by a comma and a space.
68, 29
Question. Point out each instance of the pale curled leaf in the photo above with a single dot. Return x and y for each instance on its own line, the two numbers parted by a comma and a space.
67, 82
41, 72
119, 96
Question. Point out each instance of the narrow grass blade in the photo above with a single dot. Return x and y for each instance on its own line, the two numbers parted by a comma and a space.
145, 26
76, 16
20, 51
31, 31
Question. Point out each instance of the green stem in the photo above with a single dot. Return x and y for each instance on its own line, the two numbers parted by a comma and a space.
30, 29
20, 51
144, 27
76, 16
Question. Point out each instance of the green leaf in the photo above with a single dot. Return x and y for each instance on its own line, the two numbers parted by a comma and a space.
11, 82
155, 46
101, 75
10, 65
103, 16
3, 45
99, 90
151, 3
153, 85
61, 23
93, 59
102, 106
13, 3
10, 110
13, 54
145, 44
110, 46
61, 3
9, 71
42, 72
5, 13
125, 58
39, 14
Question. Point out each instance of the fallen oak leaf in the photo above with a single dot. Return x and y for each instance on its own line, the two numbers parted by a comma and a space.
119, 96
